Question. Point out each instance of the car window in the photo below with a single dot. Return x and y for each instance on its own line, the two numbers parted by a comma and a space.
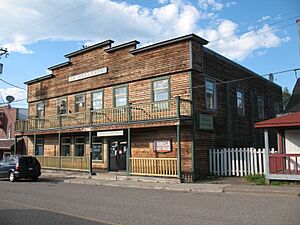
28, 160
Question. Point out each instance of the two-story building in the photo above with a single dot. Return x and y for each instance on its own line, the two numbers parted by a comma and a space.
154, 110
8, 142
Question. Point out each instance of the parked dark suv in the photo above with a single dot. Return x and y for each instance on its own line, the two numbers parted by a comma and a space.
15, 167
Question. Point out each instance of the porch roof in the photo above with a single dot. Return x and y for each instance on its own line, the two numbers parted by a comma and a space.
289, 120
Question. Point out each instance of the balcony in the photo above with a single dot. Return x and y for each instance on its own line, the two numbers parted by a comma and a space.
172, 109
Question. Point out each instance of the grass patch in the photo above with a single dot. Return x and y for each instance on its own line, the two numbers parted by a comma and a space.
257, 179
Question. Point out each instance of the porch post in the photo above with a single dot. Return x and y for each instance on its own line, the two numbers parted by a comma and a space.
34, 144
267, 169
91, 153
128, 151
179, 151
15, 145
59, 151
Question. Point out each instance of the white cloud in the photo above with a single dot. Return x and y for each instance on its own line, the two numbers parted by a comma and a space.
16, 92
210, 4
264, 18
97, 20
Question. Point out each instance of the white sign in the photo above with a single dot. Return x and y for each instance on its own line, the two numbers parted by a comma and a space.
88, 74
110, 133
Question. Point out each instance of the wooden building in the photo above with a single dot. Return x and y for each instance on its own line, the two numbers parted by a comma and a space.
8, 143
154, 110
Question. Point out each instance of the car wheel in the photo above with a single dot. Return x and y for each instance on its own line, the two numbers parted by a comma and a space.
34, 178
12, 177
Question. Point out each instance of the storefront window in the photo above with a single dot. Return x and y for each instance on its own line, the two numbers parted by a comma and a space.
39, 150
66, 146
79, 146
97, 148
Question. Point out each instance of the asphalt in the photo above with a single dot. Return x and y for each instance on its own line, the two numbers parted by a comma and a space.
121, 180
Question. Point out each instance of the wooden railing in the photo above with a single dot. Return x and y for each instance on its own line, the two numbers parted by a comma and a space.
64, 162
173, 108
285, 164
161, 167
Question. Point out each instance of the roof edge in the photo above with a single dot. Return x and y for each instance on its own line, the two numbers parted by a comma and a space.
124, 45
98, 45
171, 41
59, 65
239, 65
39, 79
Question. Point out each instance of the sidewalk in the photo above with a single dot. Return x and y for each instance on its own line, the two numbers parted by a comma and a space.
121, 180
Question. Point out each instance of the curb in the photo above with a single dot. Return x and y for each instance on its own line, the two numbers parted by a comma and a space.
263, 192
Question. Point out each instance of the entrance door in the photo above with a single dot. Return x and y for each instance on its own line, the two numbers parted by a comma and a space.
117, 159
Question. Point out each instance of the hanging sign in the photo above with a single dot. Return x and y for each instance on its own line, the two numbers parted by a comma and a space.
88, 74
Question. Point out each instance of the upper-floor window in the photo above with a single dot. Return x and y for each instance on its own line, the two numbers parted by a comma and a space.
97, 100
120, 96
260, 107
161, 90
79, 103
40, 110
240, 102
62, 106
210, 94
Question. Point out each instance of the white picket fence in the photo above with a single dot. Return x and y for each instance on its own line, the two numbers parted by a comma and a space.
237, 161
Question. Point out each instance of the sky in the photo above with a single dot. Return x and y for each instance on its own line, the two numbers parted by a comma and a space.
261, 35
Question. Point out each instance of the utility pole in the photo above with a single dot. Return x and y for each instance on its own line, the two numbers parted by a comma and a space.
3, 52
298, 22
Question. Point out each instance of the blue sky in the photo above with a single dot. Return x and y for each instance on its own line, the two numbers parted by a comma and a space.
260, 35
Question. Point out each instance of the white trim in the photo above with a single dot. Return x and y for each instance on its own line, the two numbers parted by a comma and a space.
85, 75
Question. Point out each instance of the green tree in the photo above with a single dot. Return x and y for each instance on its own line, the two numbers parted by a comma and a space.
285, 97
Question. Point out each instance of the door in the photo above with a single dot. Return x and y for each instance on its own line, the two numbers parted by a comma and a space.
117, 159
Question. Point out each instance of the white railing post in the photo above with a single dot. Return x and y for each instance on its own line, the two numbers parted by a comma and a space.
225, 161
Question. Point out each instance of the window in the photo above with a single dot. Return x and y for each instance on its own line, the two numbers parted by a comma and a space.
79, 103
260, 107
40, 110
210, 95
276, 107
97, 100
161, 90
79, 146
62, 106
39, 150
120, 96
66, 146
160, 93
97, 148
240, 102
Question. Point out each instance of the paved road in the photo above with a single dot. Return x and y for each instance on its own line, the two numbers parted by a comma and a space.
51, 201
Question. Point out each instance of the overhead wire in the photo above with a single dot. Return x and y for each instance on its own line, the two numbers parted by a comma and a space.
13, 85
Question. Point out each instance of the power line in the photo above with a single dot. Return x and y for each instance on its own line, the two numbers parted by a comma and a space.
12, 84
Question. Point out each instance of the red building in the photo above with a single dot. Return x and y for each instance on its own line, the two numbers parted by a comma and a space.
8, 117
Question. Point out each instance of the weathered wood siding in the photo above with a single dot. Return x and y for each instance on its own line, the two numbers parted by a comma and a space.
230, 130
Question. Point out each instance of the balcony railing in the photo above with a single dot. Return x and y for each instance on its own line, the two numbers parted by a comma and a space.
174, 108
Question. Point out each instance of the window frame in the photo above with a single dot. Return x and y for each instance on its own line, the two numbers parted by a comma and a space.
92, 100
38, 144
114, 96
152, 88
241, 114
262, 116
76, 144
37, 110
214, 95
65, 144
77, 95
102, 152
59, 99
